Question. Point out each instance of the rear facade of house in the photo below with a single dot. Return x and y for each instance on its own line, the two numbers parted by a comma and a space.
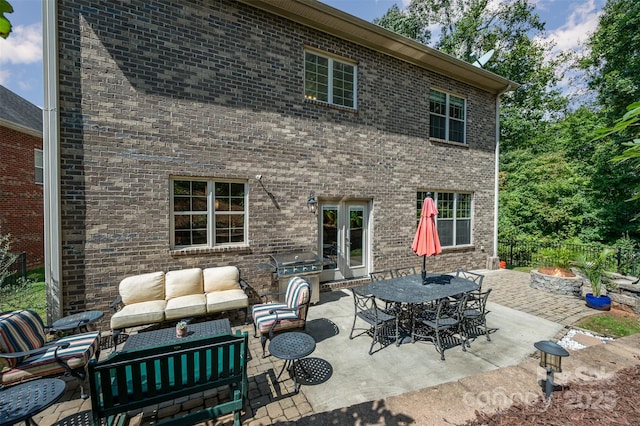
193, 134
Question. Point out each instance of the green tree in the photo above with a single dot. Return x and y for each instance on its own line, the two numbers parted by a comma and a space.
5, 24
404, 24
613, 59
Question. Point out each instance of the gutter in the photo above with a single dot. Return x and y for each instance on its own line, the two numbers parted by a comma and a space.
51, 160
497, 171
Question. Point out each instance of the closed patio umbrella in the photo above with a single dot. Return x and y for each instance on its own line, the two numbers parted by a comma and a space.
426, 241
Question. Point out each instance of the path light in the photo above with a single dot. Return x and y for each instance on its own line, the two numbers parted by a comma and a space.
551, 360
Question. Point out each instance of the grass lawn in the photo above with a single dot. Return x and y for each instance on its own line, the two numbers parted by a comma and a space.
29, 295
612, 324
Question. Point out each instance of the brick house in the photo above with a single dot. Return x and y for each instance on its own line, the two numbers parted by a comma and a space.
193, 134
21, 173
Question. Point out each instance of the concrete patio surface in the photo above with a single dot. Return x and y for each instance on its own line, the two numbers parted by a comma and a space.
408, 384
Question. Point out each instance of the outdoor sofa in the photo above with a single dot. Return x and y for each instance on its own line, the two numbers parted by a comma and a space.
157, 297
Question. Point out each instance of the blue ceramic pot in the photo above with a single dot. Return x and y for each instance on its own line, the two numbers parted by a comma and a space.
602, 302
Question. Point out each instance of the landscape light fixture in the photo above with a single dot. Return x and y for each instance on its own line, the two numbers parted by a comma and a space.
551, 355
312, 203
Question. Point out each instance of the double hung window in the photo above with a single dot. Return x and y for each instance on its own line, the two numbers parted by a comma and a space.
329, 80
208, 213
38, 162
447, 116
454, 217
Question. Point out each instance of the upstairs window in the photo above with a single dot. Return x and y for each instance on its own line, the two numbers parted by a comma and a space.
447, 118
208, 213
38, 166
454, 217
329, 80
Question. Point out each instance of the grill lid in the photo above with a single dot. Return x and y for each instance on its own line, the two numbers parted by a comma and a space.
300, 262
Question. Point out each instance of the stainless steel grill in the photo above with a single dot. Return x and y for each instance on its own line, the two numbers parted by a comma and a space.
303, 263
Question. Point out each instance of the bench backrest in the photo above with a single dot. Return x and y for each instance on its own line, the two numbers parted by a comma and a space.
136, 379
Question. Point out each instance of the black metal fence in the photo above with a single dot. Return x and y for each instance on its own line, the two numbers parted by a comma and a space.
18, 269
537, 254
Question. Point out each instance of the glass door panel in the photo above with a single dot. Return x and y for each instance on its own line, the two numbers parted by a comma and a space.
356, 237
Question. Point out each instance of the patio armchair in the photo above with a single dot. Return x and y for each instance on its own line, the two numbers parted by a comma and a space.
25, 353
440, 322
270, 318
382, 324
474, 316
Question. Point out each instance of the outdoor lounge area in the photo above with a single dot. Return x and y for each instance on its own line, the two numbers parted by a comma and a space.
345, 382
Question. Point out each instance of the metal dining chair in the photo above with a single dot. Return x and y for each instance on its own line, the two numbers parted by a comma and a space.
471, 276
403, 272
440, 322
381, 324
474, 315
384, 274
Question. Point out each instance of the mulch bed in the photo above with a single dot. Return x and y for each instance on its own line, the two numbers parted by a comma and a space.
613, 401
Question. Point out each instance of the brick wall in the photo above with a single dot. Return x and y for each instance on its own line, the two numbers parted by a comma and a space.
21, 211
215, 89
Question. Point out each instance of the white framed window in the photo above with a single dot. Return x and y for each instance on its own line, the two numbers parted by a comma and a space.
208, 213
454, 216
38, 161
447, 116
329, 80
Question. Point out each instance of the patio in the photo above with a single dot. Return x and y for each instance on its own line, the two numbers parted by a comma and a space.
366, 387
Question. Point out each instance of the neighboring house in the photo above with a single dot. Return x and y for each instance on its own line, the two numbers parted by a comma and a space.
193, 133
21, 174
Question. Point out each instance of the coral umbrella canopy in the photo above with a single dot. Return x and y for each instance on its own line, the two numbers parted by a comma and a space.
426, 241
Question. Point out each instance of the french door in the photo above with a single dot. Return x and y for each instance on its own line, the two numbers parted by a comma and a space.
344, 239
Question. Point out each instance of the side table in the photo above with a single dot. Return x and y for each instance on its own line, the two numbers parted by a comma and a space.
291, 347
23, 401
80, 321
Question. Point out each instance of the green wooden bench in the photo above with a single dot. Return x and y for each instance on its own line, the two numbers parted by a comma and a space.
132, 380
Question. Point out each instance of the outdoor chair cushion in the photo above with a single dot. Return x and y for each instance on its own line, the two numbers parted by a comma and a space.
183, 282
185, 306
286, 319
226, 300
221, 278
81, 348
20, 331
142, 288
140, 313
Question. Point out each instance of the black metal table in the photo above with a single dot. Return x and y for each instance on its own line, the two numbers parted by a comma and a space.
168, 335
409, 290
23, 401
291, 347
79, 321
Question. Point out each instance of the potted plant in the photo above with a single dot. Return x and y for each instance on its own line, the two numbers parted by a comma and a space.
181, 329
594, 270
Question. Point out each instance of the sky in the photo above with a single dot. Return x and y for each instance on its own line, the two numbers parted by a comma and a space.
568, 23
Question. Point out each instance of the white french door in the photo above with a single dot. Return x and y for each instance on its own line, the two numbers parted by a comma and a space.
344, 239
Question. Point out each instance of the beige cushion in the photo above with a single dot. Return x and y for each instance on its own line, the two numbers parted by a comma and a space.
142, 288
183, 283
226, 300
139, 314
221, 278
186, 306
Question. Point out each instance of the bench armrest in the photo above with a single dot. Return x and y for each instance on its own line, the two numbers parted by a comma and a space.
244, 285
115, 305
36, 351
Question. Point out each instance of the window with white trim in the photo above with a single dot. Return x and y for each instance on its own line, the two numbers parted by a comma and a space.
208, 213
447, 116
38, 162
454, 217
329, 80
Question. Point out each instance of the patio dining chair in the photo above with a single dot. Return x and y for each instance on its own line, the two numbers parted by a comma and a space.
471, 276
384, 274
403, 272
270, 318
474, 315
440, 322
381, 324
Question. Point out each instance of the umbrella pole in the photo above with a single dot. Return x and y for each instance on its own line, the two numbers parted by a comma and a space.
424, 269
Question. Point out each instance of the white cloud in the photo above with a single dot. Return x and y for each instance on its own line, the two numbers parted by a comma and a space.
23, 46
581, 23
4, 77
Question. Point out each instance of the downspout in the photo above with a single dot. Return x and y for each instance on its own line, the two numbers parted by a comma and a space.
497, 174
51, 154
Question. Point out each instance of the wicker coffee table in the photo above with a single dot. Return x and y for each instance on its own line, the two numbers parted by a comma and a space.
292, 347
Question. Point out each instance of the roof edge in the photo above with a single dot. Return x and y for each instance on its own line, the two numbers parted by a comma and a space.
20, 128
315, 14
